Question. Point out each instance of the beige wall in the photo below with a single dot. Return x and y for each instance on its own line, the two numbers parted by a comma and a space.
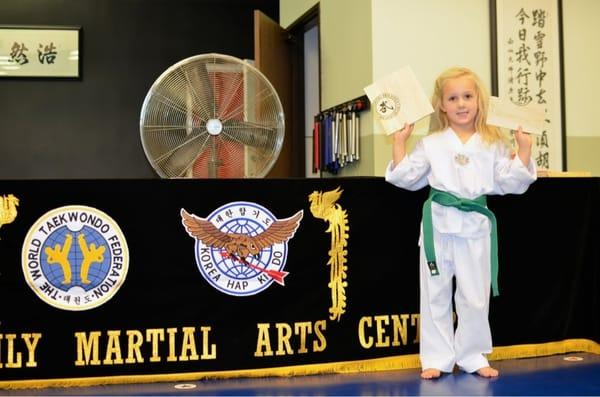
346, 61
290, 10
346, 66
582, 83
431, 35
417, 33
582, 65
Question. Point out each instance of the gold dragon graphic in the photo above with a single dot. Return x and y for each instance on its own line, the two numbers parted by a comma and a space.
8, 209
324, 206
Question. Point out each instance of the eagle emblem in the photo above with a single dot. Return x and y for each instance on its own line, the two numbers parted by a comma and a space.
243, 247
237, 244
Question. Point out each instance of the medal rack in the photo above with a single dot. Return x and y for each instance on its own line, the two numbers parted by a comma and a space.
336, 135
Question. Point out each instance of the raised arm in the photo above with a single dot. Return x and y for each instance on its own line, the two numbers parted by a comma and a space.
404, 170
524, 141
516, 174
399, 144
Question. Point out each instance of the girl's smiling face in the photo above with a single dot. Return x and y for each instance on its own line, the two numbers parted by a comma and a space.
459, 102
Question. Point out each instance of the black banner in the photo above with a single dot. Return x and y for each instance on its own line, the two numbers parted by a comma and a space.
102, 279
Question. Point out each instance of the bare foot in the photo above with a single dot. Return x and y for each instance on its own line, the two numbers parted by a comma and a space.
431, 373
488, 372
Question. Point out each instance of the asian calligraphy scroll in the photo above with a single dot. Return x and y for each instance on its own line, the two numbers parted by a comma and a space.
39, 51
528, 68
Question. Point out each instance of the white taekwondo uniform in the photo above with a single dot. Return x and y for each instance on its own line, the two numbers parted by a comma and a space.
462, 242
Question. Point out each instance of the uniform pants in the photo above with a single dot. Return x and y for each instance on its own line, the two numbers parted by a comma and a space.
441, 346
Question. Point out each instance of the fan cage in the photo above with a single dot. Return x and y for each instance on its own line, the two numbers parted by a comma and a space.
245, 120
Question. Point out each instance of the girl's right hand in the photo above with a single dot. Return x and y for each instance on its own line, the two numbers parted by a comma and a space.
399, 146
403, 134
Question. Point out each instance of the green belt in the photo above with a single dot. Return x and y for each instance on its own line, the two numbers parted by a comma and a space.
450, 200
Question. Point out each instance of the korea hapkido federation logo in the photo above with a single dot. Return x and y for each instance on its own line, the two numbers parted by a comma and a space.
241, 248
75, 257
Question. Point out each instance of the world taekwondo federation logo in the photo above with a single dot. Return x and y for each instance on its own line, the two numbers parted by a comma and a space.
75, 257
241, 248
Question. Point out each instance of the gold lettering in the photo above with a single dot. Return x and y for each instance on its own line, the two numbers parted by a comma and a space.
31, 345
303, 329
134, 341
172, 356
1, 337
374, 331
382, 340
415, 321
11, 363
284, 333
263, 341
320, 344
400, 329
87, 347
155, 335
113, 347
189, 343
365, 342
213, 348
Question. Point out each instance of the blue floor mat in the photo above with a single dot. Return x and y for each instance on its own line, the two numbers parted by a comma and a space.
575, 374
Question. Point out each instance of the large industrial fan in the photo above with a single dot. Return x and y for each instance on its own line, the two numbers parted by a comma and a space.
212, 116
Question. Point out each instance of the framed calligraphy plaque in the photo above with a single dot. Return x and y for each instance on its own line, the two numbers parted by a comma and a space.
39, 51
527, 68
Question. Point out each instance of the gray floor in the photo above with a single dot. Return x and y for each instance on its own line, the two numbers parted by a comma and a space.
560, 375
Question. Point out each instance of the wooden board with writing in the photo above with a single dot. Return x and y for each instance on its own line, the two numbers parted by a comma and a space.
503, 113
398, 98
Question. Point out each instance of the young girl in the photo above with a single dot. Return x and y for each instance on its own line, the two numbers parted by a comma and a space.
462, 161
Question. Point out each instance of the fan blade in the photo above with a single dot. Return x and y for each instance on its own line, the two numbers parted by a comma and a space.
250, 134
199, 84
175, 160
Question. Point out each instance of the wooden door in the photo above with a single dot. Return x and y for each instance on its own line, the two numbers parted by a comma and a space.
273, 57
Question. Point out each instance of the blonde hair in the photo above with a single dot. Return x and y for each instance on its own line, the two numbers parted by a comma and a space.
439, 119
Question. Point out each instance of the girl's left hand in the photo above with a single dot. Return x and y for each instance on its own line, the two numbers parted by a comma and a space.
524, 142
523, 139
